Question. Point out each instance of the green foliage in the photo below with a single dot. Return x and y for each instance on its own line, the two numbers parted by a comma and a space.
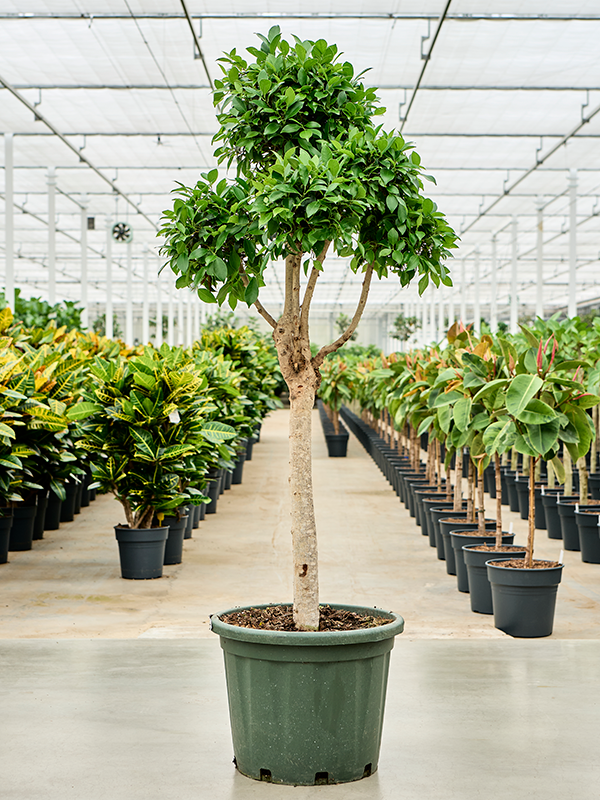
341, 323
311, 168
37, 313
404, 327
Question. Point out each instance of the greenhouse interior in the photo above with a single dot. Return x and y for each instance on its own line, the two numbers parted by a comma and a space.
300, 390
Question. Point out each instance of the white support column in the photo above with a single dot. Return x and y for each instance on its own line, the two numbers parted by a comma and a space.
441, 325
145, 314
83, 297
109, 266
129, 297
539, 294
494, 287
514, 304
51, 180
170, 314
477, 303
9, 221
423, 336
572, 307
158, 333
432, 322
463, 292
196, 317
188, 334
180, 320
451, 314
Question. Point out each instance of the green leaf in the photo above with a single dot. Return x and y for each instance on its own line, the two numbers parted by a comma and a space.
522, 389
543, 438
425, 425
58, 489
391, 202
567, 365
462, 413
537, 412
206, 296
5, 430
522, 446
251, 293
489, 387
532, 340
220, 268
444, 415
290, 95
217, 432
83, 410
145, 447
447, 397
499, 436
588, 400
313, 207
559, 469
271, 128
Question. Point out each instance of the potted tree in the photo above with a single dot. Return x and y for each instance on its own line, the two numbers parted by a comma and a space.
143, 417
543, 409
335, 388
313, 175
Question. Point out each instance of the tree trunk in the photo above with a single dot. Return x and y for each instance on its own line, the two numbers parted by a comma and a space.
568, 472
480, 504
498, 477
531, 515
583, 479
458, 460
550, 470
594, 449
336, 420
470, 499
303, 381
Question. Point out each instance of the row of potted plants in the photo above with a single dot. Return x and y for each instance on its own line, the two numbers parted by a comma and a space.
157, 428
478, 405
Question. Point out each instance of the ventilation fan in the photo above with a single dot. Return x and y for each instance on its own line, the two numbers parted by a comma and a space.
121, 232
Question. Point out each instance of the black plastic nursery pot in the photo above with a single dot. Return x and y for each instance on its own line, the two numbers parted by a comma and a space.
238, 470
40, 515
513, 497
21, 532
524, 600
141, 551
174, 544
432, 528
6, 519
589, 538
594, 486
568, 525
249, 447
227, 479
78, 496
453, 520
196, 515
480, 591
433, 498
337, 444
190, 522
212, 491
468, 535
53, 507
67, 509
307, 708
550, 499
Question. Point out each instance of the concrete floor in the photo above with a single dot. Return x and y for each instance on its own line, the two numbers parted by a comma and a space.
147, 720
115, 689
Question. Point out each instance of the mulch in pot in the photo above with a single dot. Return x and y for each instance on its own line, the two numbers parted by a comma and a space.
280, 618
518, 563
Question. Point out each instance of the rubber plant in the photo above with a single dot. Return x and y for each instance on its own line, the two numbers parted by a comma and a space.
314, 175
543, 409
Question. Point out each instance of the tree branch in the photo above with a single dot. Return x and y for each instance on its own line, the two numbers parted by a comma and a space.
331, 348
257, 304
310, 289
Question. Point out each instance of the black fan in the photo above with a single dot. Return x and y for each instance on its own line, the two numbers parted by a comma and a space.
121, 232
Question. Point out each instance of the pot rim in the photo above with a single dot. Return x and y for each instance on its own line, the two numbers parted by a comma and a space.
309, 638
491, 563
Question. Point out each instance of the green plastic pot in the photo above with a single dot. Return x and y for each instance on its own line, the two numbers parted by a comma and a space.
307, 708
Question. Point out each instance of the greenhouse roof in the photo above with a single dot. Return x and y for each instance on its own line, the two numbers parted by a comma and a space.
500, 98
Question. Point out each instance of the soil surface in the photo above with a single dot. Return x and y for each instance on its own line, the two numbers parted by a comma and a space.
491, 548
279, 618
518, 563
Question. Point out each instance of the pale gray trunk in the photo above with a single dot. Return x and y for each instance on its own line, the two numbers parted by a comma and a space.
458, 458
568, 472
583, 479
498, 478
